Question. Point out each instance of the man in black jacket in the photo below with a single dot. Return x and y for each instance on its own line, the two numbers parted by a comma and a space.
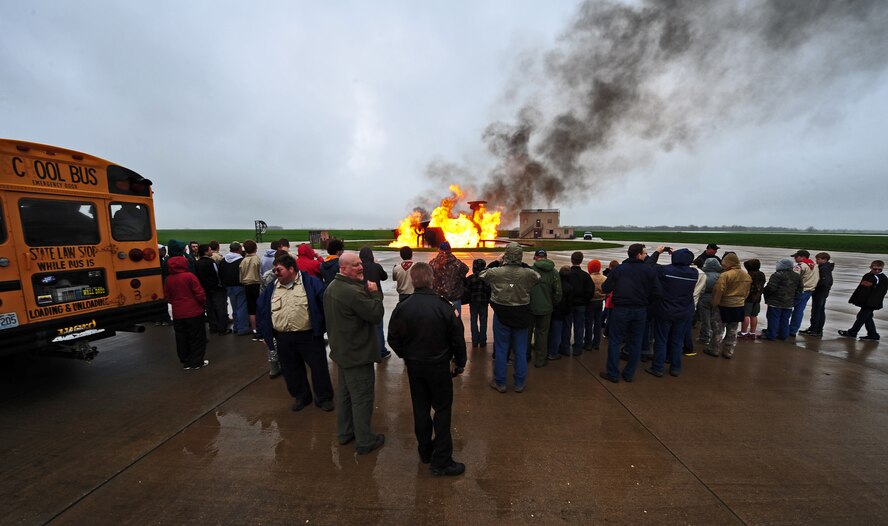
869, 296
426, 333
583, 290
635, 285
217, 304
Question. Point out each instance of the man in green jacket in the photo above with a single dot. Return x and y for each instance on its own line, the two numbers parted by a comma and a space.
352, 312
510, 285
543, 297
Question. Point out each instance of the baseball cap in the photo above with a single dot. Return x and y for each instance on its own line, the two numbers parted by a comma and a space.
445, 246
803, 253
540, 253
713, 246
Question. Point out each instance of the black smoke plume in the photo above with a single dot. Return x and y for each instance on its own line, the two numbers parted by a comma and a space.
628, 80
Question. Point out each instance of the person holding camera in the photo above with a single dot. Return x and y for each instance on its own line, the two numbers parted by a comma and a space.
426, 333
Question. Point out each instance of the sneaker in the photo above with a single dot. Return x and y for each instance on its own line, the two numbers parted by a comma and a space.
519, 388
274, 369
451, 470
499, 387
553, 357
380, 440
815, 334
873, 338
326, 405
847, 334
193, 367
608, 378
651, 370
256, 337
711, 353
386, 354
689, 353
299, 405
674, 372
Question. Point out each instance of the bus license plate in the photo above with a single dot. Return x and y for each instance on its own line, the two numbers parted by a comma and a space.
8, 321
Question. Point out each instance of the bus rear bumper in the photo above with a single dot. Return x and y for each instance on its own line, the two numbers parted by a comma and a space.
54, 336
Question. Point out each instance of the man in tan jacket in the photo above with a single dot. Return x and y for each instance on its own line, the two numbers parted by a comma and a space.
810, 274
728, 296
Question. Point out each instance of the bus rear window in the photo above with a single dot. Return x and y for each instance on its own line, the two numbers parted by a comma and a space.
127, 182
130, 222
52, 223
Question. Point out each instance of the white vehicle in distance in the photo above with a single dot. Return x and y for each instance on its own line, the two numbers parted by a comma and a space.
587, 235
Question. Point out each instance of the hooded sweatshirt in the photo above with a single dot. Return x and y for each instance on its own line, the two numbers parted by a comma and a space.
732, 287
307, 260
266, 262
825, 279
229, 269
677, 282
784, 287
373, 271
183, 291
510, 285
401, 275
547, 292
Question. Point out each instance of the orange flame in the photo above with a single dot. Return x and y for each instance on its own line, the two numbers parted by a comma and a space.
461, 231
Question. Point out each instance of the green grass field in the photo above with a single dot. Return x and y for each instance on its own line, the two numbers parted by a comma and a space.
867, 244
355, 239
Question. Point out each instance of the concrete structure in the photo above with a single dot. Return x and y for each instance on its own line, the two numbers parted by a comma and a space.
543, 223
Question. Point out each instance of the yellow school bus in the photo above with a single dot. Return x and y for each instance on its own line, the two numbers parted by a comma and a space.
78, 251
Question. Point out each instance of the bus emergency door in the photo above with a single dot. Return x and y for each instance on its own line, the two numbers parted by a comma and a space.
65, 254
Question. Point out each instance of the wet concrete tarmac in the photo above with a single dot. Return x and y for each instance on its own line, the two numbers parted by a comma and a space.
785, 433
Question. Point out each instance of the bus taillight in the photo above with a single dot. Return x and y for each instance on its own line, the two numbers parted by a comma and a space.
136, 254
135, 283
149, 254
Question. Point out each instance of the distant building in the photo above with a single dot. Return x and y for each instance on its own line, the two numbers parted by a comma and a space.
543, 223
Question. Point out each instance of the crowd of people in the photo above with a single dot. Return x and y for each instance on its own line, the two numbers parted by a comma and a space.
297, 305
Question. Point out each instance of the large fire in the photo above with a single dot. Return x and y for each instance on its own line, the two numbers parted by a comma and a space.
461, 231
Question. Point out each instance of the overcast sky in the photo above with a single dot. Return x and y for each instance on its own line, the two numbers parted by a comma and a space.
329, 114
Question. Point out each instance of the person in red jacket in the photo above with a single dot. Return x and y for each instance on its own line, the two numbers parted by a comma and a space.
307, 260
188, 299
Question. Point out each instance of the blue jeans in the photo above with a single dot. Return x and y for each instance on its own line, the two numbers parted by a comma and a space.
457, 305
555, 336
593, 324
778, 323
504, 338
798, 312
669, 338
478, 321
625, 324
240, 319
